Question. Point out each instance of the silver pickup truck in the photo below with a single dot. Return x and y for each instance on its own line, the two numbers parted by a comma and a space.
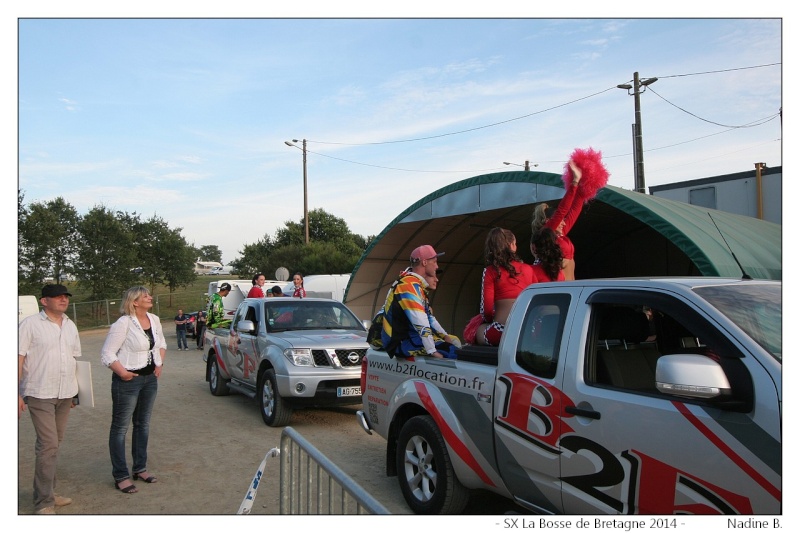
619, 396
287, 353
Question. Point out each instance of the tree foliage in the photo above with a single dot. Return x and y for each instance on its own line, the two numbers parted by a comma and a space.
332, 248
47, 243
210, 252
107, 251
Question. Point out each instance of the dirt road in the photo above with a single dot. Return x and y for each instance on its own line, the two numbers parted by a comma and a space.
204, 449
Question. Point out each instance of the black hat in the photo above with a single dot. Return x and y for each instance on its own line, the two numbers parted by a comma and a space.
225, 287
51, 291
276, 291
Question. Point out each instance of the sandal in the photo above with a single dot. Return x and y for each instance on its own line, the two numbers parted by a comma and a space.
148, 479
130, 489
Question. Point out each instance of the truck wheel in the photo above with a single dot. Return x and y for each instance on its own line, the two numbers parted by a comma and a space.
274, 410
425, 472
217, 384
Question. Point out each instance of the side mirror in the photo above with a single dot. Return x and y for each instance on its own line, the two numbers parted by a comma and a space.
246, 326
691, 376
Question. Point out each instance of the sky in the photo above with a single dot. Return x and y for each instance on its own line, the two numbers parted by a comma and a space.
187, 118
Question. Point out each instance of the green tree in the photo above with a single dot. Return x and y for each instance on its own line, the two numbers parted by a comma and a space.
332, 248
210, 252
255, 258
47, 243
106, 254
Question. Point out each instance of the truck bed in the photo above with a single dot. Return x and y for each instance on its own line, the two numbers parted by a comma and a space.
485, 355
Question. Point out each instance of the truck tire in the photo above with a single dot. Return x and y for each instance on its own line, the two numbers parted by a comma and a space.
217, 384
426, 475
274, 409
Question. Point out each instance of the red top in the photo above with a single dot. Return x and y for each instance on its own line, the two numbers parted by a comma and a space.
568, 210
255, 292
493, 289
299, 292
540, 276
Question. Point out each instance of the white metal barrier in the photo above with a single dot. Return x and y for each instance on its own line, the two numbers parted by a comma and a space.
310, 483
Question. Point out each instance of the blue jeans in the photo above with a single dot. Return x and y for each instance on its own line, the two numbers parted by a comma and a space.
182, 338
132, 401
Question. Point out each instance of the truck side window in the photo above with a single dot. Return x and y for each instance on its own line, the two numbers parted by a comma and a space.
629, 339
540, 339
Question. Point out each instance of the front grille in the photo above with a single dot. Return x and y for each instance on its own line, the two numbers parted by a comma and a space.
321, 357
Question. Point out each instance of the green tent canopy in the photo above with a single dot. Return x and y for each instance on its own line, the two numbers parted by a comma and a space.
619, 233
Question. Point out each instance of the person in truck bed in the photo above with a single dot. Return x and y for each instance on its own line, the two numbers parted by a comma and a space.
216, 309
504, 277
409, 327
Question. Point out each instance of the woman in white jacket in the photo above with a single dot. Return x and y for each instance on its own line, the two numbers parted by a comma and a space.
134, 350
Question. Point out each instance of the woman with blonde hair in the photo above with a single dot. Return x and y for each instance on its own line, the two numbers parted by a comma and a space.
134, 350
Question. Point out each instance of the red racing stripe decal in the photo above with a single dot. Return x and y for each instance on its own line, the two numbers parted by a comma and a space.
219, 355
449, 435
733, 456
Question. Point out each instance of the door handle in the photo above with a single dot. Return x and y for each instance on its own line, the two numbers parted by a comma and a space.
586, 413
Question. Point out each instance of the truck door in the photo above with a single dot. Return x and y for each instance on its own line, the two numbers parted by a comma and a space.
628, 448
528, 403
243, 343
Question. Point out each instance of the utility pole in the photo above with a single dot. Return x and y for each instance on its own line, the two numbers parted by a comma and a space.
638, 152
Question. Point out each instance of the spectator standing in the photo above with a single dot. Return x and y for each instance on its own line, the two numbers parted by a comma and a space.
258, 287
181, 321
201, 329
134, 350
409, 327
47, 347
299, 290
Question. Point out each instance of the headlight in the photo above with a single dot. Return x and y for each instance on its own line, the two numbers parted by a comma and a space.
299, 356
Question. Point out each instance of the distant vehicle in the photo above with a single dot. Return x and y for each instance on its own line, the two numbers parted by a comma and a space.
191, 325
137, 270
28, 305
288, 353
321, 286
220, 271
205, 267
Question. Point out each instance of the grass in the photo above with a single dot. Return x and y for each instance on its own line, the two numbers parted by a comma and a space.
165, 304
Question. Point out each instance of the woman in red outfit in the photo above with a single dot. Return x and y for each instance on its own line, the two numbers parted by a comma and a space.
563, 219
546, 248
504, 277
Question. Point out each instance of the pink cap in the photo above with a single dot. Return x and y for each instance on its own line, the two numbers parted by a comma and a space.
424, 253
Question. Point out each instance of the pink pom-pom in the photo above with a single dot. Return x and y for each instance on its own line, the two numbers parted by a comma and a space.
471, 329
595, 174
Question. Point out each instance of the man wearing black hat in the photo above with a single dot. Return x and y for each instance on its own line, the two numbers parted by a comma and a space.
216, 308
48, 345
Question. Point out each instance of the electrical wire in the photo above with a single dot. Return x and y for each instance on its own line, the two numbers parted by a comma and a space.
758, 122
747, 125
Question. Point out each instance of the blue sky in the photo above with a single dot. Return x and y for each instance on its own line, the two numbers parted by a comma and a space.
187, 118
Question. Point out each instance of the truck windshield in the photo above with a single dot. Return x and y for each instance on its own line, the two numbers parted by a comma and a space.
304, 314
755, 308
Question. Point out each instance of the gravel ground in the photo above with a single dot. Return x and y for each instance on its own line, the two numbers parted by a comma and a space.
204, 450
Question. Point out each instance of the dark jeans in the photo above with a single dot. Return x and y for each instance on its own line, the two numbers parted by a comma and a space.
132, 401
181, 333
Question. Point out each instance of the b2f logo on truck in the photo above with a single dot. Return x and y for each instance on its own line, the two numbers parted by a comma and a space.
536, 411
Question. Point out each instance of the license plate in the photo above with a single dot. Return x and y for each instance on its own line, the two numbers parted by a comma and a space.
348, 391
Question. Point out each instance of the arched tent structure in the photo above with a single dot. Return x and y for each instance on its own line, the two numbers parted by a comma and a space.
620, 233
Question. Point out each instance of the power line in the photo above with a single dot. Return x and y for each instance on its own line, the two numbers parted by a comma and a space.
747, 125
758, 122
470, 129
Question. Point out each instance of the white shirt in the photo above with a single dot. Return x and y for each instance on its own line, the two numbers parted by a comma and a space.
50, 351
129, 344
